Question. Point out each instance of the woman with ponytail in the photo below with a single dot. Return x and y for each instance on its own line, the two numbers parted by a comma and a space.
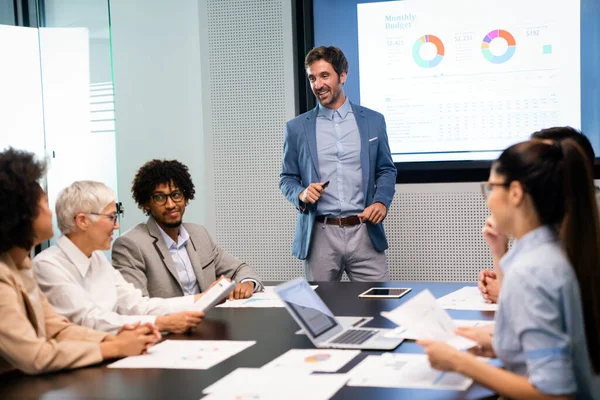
548, 318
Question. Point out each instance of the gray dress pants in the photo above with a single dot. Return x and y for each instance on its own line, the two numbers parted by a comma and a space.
335, 249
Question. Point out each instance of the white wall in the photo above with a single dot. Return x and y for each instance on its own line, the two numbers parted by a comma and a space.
21, 108
158, 94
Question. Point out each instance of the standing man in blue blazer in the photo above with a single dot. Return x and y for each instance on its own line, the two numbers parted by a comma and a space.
338, 172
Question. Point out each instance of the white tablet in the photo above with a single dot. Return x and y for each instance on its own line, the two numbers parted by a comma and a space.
384, 293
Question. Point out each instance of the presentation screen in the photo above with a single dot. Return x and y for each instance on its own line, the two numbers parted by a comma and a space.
461, 80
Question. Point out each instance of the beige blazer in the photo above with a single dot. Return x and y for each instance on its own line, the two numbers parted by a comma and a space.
33, 337
142, 257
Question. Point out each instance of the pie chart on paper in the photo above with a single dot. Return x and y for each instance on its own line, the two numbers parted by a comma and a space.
315, 358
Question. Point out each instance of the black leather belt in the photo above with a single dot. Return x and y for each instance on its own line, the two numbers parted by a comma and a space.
346, 221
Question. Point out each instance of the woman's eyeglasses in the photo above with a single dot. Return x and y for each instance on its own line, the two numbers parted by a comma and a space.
115, 215
487, 187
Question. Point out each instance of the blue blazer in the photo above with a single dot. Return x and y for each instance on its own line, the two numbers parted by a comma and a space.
300, 168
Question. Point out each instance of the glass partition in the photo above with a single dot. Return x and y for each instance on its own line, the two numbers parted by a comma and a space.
57, 89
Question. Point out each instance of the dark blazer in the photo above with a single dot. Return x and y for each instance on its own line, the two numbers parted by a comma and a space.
142, 257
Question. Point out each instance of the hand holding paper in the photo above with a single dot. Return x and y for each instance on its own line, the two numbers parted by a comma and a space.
423, 316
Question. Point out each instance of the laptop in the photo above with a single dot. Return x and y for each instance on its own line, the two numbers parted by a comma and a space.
320, 325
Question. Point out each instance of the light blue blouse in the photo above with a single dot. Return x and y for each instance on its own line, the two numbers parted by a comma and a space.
539, 323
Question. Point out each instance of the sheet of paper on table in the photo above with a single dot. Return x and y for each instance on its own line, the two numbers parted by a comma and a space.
403, 333
467, 298
185, 354
399, 370
275, 384
423, 316
266, 299
314, 360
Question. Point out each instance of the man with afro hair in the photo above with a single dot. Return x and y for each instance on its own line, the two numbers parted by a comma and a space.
165, 257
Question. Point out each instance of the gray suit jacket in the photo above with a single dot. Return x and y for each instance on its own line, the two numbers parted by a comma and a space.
142, 257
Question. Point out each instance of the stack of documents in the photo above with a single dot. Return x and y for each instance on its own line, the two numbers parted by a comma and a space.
184, 354
394, 370
467, 298
266, 299
425, 319
275, 384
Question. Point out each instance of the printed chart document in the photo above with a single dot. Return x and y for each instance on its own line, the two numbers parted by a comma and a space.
467, 298
401, 332
394, 370
314, 360
423, 316
266, 299
275, 384
346, 322
185, 354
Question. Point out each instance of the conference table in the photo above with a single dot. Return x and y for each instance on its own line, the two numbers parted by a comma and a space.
273, 329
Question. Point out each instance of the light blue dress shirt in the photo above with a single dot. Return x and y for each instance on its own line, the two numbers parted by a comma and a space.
338, 146
539, 323
179, 254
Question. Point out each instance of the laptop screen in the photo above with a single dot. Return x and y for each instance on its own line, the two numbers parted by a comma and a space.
309, 308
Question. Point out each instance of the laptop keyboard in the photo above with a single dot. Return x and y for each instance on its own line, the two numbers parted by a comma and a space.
355, 336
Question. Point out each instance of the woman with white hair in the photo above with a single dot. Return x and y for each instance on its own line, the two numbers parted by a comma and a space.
81, 283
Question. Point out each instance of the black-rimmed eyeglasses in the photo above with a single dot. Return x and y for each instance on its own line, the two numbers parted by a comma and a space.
487, 187
114, 216
161, 198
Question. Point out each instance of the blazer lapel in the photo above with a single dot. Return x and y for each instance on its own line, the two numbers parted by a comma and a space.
310, 128
20, 285
363, 129
31, 314
161, 249
198, 261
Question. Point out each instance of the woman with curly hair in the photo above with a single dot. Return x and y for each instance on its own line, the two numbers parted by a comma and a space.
33, 337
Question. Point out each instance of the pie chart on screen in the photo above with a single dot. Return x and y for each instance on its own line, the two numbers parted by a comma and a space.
428, 51
498, 46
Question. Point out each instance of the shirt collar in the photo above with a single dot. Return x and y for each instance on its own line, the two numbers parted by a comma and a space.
182, 238
73, 253
328, 112
538, 236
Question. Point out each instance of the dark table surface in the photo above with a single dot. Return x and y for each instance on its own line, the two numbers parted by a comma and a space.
273, 330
